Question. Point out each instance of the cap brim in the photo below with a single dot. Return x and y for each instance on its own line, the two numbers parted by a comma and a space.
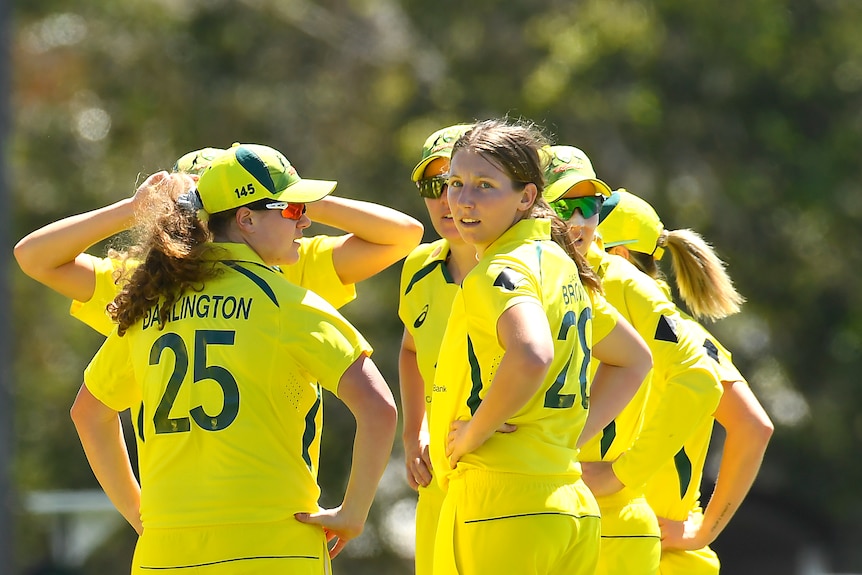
419, 170
305, 191
559, 188
618, 243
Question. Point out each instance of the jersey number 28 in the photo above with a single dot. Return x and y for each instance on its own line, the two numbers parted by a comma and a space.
553, 397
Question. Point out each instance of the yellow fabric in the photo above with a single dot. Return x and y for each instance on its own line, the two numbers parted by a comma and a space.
526, 266
701, 561
425, 301
674, 491
683, 389
246, 173
252, 549
427, 518
631, 543
489, 524
314, 271
231, 392
94, 311
644, 442
629, 221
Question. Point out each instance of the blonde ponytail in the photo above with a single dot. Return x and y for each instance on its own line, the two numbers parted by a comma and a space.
701, 278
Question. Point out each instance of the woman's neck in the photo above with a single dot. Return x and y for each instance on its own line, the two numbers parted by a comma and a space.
462, 259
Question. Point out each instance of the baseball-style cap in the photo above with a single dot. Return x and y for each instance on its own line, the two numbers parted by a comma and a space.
566, 167
196, 162
439, 145
246, 173
628, 220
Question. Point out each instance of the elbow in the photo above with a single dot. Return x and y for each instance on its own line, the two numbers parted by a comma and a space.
26, 261
763, 431
412, 235
384, 415
380, 409
643, 363
536, 362
78, 415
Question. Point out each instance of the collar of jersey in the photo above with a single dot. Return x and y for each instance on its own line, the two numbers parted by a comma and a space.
526, 230
236, 252
596, 256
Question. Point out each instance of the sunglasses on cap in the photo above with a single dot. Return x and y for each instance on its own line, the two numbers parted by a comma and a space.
589, 206
432, 187
289, 210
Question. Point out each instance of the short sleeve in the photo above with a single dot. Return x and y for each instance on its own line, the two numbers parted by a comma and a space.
315, 271
110, 376
505, 282
324, 343
605, 316
93, 312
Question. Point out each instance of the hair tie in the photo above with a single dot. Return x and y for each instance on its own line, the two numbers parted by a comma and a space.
190, 201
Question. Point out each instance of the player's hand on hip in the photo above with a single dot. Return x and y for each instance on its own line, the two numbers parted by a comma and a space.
336, 525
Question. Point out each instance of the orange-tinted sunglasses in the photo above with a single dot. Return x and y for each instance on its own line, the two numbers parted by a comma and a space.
289, 210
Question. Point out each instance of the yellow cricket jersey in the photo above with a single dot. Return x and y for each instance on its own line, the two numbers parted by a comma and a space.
523, 265
674, 490
681, 388
231, 394
426, 295
314, 271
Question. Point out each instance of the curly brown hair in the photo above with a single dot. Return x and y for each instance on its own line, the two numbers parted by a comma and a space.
171, 256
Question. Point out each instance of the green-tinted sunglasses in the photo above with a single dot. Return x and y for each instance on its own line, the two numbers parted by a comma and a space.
432, 187
589, 206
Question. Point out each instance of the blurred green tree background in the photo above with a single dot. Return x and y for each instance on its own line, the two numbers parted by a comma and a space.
740, 120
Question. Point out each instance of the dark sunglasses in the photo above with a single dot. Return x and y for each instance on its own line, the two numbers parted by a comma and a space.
588, 205
432, 187
289, 210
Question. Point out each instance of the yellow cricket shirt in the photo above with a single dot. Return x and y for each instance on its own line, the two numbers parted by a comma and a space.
231, 390
425, 301
523, 265
674, 490
682, 390
314, 271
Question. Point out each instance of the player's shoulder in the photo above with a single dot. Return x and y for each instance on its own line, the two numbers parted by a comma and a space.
254, 278
424, 253
423, 260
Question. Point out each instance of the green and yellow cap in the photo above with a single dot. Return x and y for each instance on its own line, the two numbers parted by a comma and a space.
627, 220
439, 145
246, 173
567, 166
196, 162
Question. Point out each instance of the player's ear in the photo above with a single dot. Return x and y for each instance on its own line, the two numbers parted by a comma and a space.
528, 197
245, 219
621, 251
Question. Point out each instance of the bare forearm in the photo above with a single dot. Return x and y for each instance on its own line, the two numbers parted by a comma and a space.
372, 447
412, 394
748, 432
59, 242
611, 390
106, 452
371, 222
50, 255
518, 378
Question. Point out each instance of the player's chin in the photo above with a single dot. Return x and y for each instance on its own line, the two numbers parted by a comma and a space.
291, 257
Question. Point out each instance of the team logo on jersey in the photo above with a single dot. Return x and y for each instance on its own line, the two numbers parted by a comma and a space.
509, 279
421, 319
666, 329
